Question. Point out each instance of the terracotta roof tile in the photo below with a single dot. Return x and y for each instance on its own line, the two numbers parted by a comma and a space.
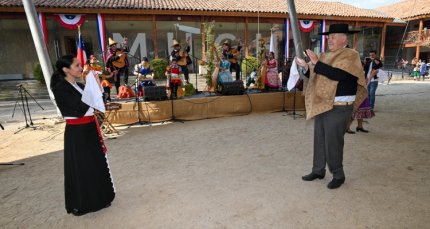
407, 9
306, 7
335, 9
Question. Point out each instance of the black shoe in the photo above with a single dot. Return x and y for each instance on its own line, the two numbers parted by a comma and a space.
358, 129
76, 212
350, 131
336, 183
312, 176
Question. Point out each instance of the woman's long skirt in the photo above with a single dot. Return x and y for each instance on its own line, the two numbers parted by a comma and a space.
272, 78
87, 179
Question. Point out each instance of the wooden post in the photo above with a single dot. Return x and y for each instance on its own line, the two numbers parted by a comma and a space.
382, 51
355, 37
154, 31
246, 41
202, 30
420, 30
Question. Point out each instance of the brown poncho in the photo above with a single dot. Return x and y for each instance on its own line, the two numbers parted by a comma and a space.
320, 90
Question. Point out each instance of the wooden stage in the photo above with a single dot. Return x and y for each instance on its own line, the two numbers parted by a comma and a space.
204, 107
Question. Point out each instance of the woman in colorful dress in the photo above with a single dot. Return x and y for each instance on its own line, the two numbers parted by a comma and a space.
174, 82
363, 112
272, 78
88, 183
224, 71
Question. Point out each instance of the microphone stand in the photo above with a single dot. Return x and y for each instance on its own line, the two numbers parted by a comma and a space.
195, 59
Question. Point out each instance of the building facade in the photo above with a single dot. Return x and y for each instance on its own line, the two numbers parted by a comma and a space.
151, 28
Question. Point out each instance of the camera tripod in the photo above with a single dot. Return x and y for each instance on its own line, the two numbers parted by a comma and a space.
22, 97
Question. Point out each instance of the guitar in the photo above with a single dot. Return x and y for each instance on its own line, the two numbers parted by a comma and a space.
120, 63
235, 57
183, 60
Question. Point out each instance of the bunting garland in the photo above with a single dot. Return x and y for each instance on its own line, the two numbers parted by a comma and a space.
306, 25
102, 35
70, 21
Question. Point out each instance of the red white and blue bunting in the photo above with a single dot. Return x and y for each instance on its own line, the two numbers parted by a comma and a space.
306, 25
70, 21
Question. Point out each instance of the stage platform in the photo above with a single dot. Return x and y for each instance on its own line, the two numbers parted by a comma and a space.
210, 106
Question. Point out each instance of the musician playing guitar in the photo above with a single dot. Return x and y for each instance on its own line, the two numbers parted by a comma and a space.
232, 54
117, 61
182, 58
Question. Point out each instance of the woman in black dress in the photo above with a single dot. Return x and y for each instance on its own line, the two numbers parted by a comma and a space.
87, 179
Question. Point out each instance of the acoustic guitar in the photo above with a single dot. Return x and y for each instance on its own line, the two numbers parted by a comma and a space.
235, 54
183, 60
120, 63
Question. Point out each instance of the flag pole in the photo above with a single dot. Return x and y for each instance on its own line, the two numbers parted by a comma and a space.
41, 49
295, 29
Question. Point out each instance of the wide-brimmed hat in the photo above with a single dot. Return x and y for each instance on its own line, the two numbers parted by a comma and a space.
226, 42
112, 42
175, 43
339, 28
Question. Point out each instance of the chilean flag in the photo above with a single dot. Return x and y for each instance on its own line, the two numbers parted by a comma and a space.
323, 41
82, 56
102, 34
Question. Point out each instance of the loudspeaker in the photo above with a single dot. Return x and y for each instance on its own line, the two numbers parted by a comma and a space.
155, 93
232, 88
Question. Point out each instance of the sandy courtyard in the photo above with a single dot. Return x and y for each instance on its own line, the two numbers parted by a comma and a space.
235, 172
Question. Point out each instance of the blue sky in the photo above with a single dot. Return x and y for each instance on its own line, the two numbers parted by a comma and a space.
366, 4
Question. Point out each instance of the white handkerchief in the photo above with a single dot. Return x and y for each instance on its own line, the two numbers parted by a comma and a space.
92, 94
294, 76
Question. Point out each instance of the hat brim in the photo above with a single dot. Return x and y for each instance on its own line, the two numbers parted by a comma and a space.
347, 32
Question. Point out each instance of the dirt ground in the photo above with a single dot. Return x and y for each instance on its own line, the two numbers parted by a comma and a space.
236, 172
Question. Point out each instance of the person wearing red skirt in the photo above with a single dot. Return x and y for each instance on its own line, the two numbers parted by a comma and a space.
87, 179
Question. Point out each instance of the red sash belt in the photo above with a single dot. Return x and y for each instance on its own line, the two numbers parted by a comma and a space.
86, 120
80, 121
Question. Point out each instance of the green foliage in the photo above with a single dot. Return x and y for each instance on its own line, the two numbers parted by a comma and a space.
38, 74
159, 67
210, 56
249, 64
189, 89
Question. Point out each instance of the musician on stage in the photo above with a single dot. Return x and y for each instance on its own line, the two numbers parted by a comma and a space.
143, 69
182, 58
92, 65
232, 54
98, 71
143, 73
174, 81
117, 61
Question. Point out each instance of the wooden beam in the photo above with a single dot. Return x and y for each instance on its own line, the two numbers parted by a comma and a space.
246, 41
410, 45
355, 38
382, 51
194, 13
202, 30
154, 31
420, 30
